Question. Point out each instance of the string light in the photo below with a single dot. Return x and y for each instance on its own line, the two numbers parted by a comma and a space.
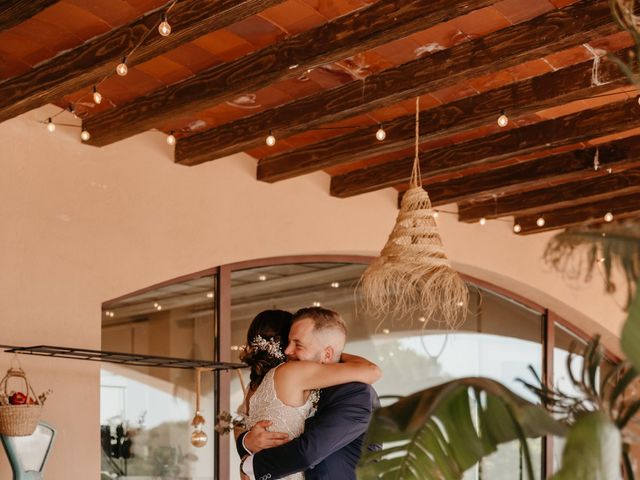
51, 126
335, 284
638, 99
85, 135
97, 96
517, 228
608, 217
503, 120
122, 68
436, 214
540, 222
381, 134
171, 139
164, 28
262, 278
483, 221
271, 140
316, 304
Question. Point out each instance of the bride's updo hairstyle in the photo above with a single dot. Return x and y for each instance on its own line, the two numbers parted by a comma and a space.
267, 339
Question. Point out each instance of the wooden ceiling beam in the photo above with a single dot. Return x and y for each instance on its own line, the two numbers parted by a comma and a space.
364, 29
570, 129
529, 175
520, 98
14, 12
553, 197
554, 31
90, 62
622, 207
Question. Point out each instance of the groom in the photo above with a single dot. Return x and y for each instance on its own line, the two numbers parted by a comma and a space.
333, 438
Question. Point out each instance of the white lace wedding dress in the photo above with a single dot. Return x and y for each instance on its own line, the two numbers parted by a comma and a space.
264, 404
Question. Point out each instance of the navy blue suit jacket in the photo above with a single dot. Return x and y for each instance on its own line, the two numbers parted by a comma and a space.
332, 441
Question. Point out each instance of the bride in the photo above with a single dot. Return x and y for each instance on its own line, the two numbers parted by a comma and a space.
285, 393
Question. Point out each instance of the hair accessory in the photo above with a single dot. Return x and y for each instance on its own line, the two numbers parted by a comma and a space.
271, 346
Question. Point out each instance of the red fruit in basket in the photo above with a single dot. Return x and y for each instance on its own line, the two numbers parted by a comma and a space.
18, 398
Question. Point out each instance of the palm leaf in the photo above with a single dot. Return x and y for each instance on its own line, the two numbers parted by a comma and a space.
593, 450
630, 339
432, 434
577, 253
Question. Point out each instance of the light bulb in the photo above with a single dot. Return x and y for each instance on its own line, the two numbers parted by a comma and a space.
503, 120
436, 214
271, 140
262, 278
422, 319
517, 228
51, 126
122, 68
386, 331
335, 284
540, 222
97, 96
164, 28
171, 139
608, 217
483, 221
381, 134
638, 99
316, 304
85, 135
199, 439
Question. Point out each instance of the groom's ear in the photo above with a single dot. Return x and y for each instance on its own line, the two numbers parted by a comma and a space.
327, 355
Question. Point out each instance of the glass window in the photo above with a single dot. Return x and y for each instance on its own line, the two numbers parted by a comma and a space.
145, 412
500, 339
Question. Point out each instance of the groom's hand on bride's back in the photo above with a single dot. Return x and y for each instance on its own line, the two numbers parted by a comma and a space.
259, 438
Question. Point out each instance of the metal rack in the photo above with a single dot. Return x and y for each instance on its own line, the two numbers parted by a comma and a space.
132, 359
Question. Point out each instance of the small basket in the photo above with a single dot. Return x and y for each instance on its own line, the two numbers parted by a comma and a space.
19, 420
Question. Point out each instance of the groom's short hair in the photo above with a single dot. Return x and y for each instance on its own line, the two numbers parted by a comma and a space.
323, 319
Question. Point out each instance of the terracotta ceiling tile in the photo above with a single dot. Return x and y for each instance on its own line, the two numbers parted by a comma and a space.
399, 51
40, 32
427, 102
224, 45
562, 3
140, 83
481, 22
164, 70
330, 75
439, 37
353, 122
298, 87
335, 8
363, 64
455, 92
382, 115
74, 19
293, 16
10, 66
530, 69
618, 95
517, 11
18, 47
613, 42
562, 110
114, 12
271, 96
526, 120
491, 81
258, 31
568, 57
192, 57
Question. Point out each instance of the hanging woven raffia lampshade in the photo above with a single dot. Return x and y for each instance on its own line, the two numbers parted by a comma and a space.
412, 276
